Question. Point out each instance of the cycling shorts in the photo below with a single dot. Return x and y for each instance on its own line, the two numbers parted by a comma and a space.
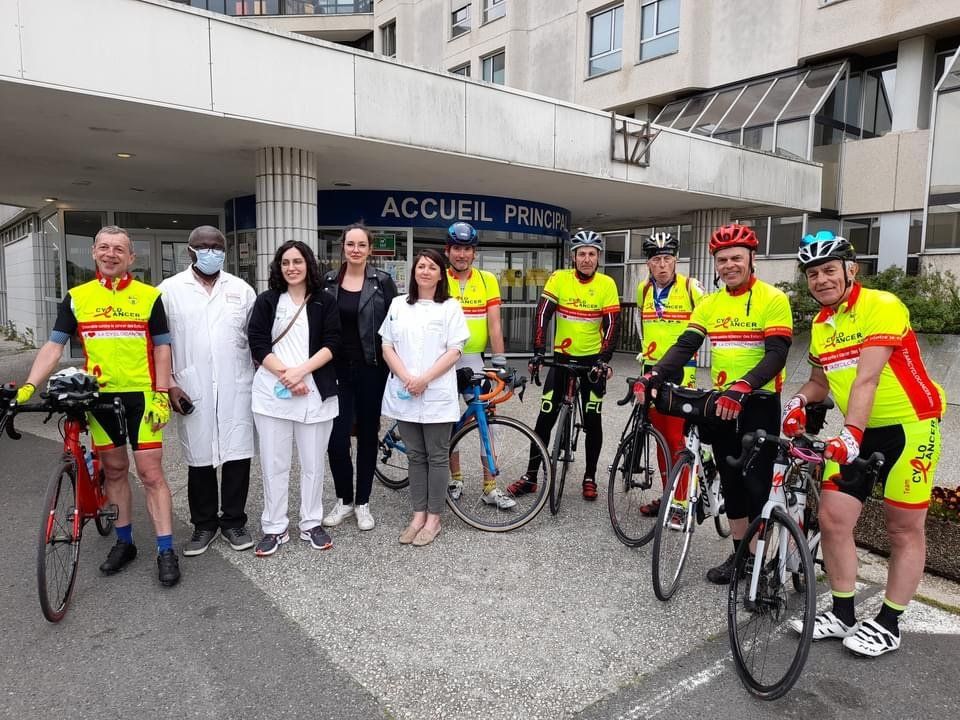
911, 452
107, 433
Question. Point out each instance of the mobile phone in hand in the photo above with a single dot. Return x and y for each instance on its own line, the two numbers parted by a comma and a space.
186, 407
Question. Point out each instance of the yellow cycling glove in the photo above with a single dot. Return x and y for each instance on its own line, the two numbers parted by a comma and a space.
158, 412
25, 392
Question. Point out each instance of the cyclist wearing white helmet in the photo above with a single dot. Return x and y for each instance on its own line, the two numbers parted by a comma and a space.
864, 352
664, 304
587, 308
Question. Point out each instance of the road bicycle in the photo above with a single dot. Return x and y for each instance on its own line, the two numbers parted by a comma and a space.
773, 588
75, 492
569, 423
492, 451
637, 474
693, 491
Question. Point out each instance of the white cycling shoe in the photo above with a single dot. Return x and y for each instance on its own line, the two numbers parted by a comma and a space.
826, 625
871, 640
497, 497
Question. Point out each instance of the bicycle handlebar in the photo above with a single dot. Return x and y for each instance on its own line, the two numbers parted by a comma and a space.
51, 406
629, 396
506, 381
574, 367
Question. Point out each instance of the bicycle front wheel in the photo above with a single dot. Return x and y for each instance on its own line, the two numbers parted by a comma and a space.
636, 482
392, 465
58, 551
560, 459
674, 529
770, 632
484, 500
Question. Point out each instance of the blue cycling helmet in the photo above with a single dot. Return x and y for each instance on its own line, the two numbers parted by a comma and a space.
823, 246
461, 233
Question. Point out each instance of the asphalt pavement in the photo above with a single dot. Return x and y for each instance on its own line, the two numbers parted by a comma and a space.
554, 620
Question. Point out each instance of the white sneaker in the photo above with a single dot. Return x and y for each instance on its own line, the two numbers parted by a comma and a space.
339, 513
496, 497
455, 489
826, 625
871, 639
365, 520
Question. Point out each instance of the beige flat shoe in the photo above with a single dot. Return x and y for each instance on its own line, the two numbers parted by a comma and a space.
409, 534
425, 536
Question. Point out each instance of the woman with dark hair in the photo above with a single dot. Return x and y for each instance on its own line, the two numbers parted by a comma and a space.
423, 337
294, 333
362, 294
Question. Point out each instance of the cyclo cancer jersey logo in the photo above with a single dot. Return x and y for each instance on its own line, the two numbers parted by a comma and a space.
923, 461
842, 338
732, 322
110, 312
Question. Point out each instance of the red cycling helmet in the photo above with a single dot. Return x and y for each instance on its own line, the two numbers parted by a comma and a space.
733, 235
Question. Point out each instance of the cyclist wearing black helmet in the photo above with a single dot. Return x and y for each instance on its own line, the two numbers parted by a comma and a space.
864, 352
587, 308
664, 304
479, 296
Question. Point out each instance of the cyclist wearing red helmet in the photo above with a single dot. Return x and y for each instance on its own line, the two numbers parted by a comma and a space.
750, 327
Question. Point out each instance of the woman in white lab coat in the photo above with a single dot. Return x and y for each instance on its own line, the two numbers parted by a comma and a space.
423, 337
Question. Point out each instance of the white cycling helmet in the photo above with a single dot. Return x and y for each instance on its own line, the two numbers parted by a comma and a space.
587, 238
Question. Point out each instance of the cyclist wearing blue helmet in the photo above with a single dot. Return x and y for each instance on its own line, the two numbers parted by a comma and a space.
479, 295
863, 351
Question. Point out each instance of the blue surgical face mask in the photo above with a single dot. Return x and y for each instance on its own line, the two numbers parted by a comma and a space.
209, 261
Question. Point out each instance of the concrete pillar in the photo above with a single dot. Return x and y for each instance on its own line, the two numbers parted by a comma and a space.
703, 223
894, 235
286, 203
913, 88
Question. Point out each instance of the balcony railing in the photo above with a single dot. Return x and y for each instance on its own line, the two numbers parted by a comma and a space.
245, 8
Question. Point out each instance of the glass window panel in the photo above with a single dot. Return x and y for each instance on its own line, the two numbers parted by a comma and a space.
733, 136
854, 98
913, 235
606, 63
463, 70
686, 241
945, 168
689, 116
648, 23
942, 227
761, 228
660, 46
759, 138
857, 231
618, 27
810, 92
670, 112
793, 138
460, 21
389, 39
773, 103
744, 106
52, 246
785, 235
493, 9
716, 110
601, 35
493, 68
668, 15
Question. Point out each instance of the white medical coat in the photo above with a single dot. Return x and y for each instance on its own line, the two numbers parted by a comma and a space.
212, 364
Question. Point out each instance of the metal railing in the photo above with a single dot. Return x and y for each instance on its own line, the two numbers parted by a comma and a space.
251, 8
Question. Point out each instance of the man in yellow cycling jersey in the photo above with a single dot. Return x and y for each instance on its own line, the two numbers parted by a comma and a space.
587, 308
664, 304
864, 352
750, 327
123, 328
479, 295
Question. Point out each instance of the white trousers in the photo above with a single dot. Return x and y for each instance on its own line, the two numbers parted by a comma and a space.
276, 453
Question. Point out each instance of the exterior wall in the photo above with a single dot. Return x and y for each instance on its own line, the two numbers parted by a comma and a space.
325, 27
22, 270
884, 174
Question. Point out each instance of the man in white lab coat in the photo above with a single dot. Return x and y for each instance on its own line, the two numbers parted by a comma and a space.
207, 310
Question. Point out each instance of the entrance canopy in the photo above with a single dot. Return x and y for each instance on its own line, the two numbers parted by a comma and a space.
190, 96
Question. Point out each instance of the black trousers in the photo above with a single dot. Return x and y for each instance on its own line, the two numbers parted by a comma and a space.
202, 495
360, 393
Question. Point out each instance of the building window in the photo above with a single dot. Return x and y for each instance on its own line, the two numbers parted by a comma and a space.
493, 68
606, 41
462, 70
659, 28
388, 39
493, 9
460, 21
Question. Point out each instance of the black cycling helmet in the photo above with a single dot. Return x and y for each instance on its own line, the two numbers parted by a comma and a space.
461, 233
818, 249
661, 243
587, 238
72, 384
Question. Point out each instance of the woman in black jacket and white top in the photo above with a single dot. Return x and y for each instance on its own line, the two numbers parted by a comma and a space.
362, 294
294, 333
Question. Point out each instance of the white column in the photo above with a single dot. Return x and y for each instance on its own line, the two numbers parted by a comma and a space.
286, 203
913, 87
704, 222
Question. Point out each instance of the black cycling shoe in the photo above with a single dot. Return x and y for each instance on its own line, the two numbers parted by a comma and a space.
721, 574
119, 555
169, 568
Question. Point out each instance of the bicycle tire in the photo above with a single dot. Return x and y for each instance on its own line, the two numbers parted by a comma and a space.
512, 442
560, 458
672, 536
58, 551
392, 468
103, 522
768, 653
629, 489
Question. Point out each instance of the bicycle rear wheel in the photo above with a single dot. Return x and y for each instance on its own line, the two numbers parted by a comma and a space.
560, 459
767, 652
479, 503
674, 529
58, 551
392, 465
635, 482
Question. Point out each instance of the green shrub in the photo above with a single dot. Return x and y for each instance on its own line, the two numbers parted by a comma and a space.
932, 298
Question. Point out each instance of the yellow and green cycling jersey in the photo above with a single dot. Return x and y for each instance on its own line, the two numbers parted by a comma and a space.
664, 314
477, 295
586, 312
738, 324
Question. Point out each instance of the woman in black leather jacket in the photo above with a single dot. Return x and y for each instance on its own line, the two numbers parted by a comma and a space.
363, 294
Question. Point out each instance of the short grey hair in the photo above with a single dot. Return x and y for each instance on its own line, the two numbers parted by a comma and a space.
113, 230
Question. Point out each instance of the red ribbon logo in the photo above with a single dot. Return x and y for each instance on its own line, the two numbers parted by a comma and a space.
648, 355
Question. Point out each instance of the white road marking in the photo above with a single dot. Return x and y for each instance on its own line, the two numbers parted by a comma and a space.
660, 703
